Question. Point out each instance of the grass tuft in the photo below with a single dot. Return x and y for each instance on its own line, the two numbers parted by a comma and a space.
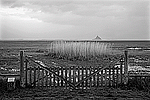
79, 50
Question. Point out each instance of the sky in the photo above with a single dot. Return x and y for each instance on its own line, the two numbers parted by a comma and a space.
74, 19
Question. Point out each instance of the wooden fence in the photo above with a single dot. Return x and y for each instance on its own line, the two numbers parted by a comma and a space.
76, 77
35, 73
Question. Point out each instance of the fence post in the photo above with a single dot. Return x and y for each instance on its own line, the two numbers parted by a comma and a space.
121, 63
30, 76
26, 74
126, 68
102, 78
34, 76
21, 68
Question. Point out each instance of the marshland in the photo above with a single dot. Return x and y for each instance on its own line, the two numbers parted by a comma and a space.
78, 53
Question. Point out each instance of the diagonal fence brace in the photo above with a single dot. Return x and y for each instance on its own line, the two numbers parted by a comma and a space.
100, 69
66, 81
47, 69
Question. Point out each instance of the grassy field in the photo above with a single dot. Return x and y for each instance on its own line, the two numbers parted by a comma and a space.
80, 49
74, 53
78, 53
84, 53
63, 94
89, 49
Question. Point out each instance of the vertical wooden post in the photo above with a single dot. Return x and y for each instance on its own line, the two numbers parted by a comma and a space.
78, 75
69, 74
26, 73
121, 63
50, 82
126, 68
86, 84
110, 76
90, 78
66, 76
54, 77
74, 75
94, 80
113, 81
105, 77
34, 76
58, 81
21, 68
102, 78
117, 75
38, 77
42, 78
82, 77
46, 79
30, 76
62, 74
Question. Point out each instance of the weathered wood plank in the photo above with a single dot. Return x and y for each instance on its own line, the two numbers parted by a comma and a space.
90, 77
117, 77
78, 68
121, 71
74, 75
21, 67
58, 83
34, 76
78, 74
109, 79
86, 82
30, 76
62, 74
126, 67
70, 74
42, 78
66, 77
106, 78
26, 73
82, 77
38, 77
46, 79
54, 78
98, 75
50, 80
102, 78
94, 77
113, 81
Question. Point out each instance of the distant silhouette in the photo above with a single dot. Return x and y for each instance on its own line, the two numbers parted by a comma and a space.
97, 38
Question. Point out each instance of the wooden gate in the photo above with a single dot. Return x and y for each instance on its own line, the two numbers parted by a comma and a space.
36, 73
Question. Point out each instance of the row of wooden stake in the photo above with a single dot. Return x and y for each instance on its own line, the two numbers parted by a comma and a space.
107, 77
110, 76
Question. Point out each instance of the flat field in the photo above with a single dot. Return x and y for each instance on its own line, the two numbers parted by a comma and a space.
49, 52
10, 49
139, 51
62, 94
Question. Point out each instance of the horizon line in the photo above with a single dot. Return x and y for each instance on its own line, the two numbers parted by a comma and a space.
74, 40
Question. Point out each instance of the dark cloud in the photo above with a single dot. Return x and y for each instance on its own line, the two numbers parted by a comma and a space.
8, 2
109, 19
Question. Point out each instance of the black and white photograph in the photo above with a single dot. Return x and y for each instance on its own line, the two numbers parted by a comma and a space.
74, 50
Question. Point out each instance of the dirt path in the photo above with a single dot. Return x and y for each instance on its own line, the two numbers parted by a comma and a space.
63, 94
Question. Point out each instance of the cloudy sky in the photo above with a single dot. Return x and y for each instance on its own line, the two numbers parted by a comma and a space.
75, 19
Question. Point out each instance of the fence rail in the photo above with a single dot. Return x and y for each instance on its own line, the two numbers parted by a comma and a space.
8, 75
77, 77
112, 74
